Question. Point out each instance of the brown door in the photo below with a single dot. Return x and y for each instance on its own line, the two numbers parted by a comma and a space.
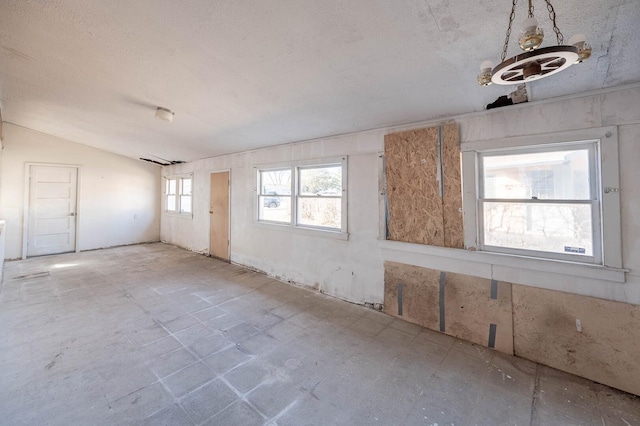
219, 216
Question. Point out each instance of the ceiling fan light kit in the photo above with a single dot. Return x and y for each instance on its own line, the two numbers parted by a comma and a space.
535, 62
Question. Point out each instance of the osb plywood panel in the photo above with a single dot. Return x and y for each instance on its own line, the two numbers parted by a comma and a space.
452, 199
420, 294
606, 350
469, 311
417, 213
415, 208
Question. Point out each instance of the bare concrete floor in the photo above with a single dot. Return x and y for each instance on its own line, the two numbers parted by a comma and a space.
152, 334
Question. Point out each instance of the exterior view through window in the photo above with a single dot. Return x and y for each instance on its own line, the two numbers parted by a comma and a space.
274, 203
178, 194
542, 200
309, 196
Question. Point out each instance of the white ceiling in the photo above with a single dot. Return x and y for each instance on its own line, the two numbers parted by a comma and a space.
246, 74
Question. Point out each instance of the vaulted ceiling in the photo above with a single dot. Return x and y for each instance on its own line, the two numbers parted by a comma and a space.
247, 74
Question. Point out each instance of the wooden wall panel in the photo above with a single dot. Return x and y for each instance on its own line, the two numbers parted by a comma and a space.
606, 350
417, 213
420, 290
415, 209
452, 200
470, 310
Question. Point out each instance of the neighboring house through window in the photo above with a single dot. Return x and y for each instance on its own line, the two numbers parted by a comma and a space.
551, 196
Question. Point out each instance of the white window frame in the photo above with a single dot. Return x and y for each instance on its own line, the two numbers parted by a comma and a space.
609, 251
295, 196
594, 200
178, 194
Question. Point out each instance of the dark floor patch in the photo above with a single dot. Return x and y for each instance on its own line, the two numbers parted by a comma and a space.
53, 361
31, 276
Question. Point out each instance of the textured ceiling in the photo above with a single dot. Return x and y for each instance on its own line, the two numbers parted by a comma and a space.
245, 74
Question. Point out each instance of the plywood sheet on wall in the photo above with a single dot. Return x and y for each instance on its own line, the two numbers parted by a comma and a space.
415, 208
419, 295
417, 211
469, 309
452, 197
606, 349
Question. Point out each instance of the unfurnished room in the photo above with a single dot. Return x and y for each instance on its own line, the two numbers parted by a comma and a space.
409, 212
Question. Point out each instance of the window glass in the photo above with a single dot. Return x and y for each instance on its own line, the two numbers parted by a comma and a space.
550, 175
317, 200
275, 182
275, 208
186, 186
320, 211
178, 194
185, 203
321, 181
540, 201
171, 203
556, 228
171, 186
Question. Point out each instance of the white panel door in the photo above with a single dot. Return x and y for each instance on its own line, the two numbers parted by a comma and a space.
52, 210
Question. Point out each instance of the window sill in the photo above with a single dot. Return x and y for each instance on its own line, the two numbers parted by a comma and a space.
502, 267
300, 230
176, 214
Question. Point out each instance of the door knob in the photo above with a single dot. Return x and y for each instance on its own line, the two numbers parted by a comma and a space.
210, 211
72, 214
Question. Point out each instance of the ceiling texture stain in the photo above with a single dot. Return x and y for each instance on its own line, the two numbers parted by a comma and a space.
241, 75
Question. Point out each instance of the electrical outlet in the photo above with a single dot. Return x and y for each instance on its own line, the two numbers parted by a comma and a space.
578, 325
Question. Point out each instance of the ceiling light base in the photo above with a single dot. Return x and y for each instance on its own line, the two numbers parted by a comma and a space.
164, 114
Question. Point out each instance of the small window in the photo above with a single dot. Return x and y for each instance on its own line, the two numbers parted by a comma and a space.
541, 201
308, 194
178, 194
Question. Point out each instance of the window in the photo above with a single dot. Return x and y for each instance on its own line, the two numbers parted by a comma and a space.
304, 195
178, 193
551, 196
541, 200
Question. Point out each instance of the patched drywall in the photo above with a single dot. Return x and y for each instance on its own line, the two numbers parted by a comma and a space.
589, 337
118, 198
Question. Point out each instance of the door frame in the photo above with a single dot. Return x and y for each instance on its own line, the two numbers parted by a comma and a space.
27, 194
229, 209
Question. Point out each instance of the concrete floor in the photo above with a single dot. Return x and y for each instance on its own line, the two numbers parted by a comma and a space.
152, 334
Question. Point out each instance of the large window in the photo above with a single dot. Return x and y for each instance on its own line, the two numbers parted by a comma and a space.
306, 195
178, 194
541, 200
552, 196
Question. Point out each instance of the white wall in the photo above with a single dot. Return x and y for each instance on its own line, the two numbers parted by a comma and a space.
353, 269
112, 189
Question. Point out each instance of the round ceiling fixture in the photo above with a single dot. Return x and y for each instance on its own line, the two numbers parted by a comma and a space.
535, 63
164, 114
